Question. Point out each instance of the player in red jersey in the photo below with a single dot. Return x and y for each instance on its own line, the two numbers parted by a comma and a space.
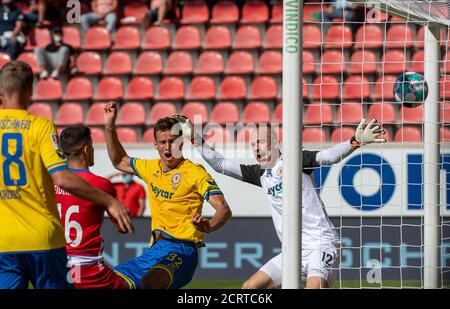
82, 219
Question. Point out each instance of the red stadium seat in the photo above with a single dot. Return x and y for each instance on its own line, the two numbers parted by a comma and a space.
445, 134
97, 38
271, 62
418, 62
325, 87
408, 134
210, 62
445, 67
41, 109
4, 58
78, 89
171, 88
140, 88
309, 62
217, 37
243, 136
179, 63
233, 88
39, 37
420, 39
314, 135
311, 9
148, 136
356, 87
118, 63
225, 112
240, 62
263, 88
274, 37
30, 59
393, 61
342, 134
277, 12
127, 135
305, 89
134, 12
278, 115
98, 136
149, 63
332, 62
95, 114
312, 36
70, 114
318, 114
217, 135
254, 12
161, 110
369, 36
412, 115
384, 88
399, 36
195, 12
247, 37
202, 88
383, 112
89, 63
445, 87
187, 37
445, 113
48, 90
256, 112
339, 37
131, 114
127, 38
109, 88
156, 38
72, 37
363, 61
224, 12
349, 113
197, 112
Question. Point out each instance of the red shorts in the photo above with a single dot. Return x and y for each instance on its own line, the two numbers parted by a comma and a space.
96, 276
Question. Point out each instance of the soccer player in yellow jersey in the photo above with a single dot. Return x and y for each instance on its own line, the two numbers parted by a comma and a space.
177, 188
32, 244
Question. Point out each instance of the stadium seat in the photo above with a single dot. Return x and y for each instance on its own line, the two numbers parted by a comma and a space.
412, 115
4, 58
118, 63
244, 134
30, 59
217, 135
217, 37
393, 61
197, 112
39, 37
161, 110
131, 114
309, 62
311, 9
274, 37
72, 37
384, 88
325, 87
445, 67
383, 112
224, 12
445, 87
445, 113
70, 114
78, 89
418, 62
305, 90
445, 134
369, 36
314, 135
342, 134
356, 87
256, 112
349, 113
399, 36
149, 63
95, 114
179, 63
420, 38
408, 134
277, 12
127, 135
263, 88
156, 38
318, 114
210, 62
109, 88
133, 12
140, 88
98, 136
247, 37
332, 62
271, 62
339, 36
254, 12
89, 63
363, 61
278, 115
312, 36
233, 88
127, 38
97, 38
195, 12
240, 62
202, 88
41, 109
171, 88
48, 90
225, 112
148, 136
187, 37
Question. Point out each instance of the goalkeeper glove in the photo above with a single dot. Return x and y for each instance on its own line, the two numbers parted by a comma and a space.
367, 134
186, 127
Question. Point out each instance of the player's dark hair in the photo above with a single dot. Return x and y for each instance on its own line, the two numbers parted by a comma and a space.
16, 76
73, 140
166, 124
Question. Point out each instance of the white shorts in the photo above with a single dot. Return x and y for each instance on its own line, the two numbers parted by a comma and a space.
315, 263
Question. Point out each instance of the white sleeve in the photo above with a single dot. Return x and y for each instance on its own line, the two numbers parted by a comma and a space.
334, 154
217, 161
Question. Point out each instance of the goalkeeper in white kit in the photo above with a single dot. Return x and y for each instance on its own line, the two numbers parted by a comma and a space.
320, 243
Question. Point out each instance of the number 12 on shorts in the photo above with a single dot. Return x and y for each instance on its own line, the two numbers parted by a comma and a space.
327, 259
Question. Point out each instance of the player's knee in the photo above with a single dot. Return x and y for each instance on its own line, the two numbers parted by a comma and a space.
249, 284
155, 279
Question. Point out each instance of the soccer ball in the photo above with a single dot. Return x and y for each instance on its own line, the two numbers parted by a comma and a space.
410, 89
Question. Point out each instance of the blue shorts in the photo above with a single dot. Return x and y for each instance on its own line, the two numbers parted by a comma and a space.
179, 259
45, 269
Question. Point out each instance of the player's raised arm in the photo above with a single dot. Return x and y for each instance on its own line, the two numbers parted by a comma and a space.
222, 215
116, 152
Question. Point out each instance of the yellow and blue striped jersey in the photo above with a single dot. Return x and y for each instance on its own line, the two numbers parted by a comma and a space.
176, 196
29, 154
